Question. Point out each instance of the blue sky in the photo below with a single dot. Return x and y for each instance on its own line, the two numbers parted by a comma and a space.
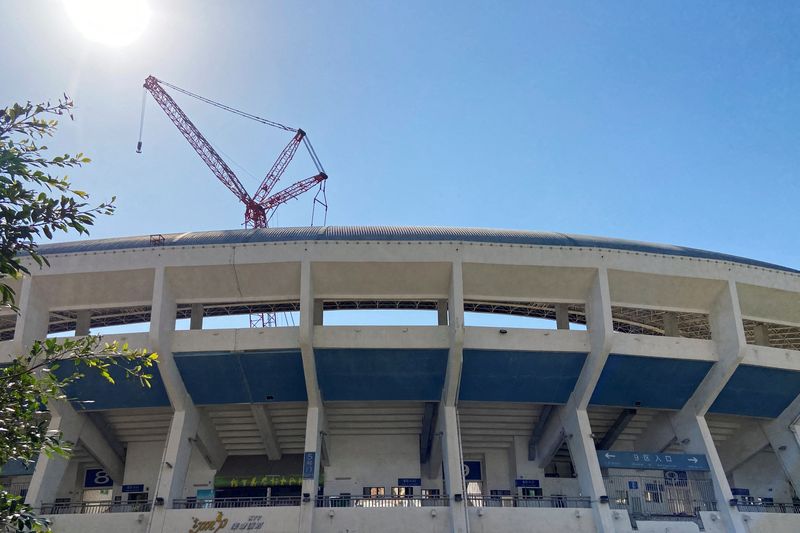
672, 122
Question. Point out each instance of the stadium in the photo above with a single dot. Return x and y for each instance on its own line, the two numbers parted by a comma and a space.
550, 382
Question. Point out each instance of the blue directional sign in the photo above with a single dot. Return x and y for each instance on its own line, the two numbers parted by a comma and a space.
528, 483
96, 478
652, 461
309, 464
409, 482
133, 488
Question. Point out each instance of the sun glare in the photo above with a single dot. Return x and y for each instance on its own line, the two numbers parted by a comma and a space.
110, 22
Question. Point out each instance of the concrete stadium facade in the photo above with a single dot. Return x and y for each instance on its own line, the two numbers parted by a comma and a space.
657, 353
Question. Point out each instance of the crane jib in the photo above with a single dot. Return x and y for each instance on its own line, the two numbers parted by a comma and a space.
259, 207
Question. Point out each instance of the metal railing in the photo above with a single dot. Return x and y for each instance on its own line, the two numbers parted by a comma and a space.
94, 507
645, 497
382, 501
227, 503
790, 508
548, 502
16, 489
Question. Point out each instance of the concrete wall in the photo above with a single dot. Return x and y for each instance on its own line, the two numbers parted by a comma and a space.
272, 519
764, 476
772, 523
199, 476
370, 461
488, 520
142, 460
101, 523
385, 520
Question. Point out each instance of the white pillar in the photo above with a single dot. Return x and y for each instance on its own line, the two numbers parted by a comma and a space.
50, 471
571, 421
187, 425
690, 427
82, 323
32, 324
562, 316
196, 318
448, 414
310, 313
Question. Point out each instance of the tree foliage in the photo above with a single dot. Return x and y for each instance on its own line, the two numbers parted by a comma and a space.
34, 204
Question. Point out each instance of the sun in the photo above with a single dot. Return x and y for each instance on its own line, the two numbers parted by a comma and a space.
110, 22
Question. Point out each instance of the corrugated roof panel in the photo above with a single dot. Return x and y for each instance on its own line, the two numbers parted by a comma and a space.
397, 233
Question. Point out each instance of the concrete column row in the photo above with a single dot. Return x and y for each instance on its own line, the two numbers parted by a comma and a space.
571, 423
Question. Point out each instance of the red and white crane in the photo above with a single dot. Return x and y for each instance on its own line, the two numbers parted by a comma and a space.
260, 206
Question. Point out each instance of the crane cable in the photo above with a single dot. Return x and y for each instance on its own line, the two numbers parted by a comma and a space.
231, 109
245, 114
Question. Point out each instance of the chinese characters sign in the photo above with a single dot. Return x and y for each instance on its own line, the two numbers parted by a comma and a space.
652, 461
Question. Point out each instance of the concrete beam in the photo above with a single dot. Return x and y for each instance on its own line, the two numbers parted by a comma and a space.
727, 332
106, 431
75, 427
208, 441
601, 331
783, 434
50, 470
538, 430
426, 436
267, 431
616, 429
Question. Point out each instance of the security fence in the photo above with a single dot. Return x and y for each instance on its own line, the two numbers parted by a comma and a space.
672, 495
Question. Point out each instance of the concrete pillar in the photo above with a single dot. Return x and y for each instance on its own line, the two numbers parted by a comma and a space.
319, 312
454, 468
689, 425
571, 421
762, 334
310, 313
671, 324
34, 316
50, 471
82, 322
693, 433
562, 316
441, 312
196, 319
312, 458
187, 426
785, 442
448, 415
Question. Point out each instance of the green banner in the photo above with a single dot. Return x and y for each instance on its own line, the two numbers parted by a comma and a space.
224, 482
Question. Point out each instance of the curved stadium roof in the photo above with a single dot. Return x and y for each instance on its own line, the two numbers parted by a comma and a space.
399, 233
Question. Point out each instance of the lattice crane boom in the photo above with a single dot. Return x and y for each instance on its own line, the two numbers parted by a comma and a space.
278, 168
203, 148
260, 207
292, 191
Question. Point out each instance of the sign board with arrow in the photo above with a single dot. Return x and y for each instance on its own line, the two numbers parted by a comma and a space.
652, 461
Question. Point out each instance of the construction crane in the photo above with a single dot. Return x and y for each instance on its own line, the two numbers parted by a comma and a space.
261, 206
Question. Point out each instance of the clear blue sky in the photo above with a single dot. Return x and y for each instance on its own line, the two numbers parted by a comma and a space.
674, 122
